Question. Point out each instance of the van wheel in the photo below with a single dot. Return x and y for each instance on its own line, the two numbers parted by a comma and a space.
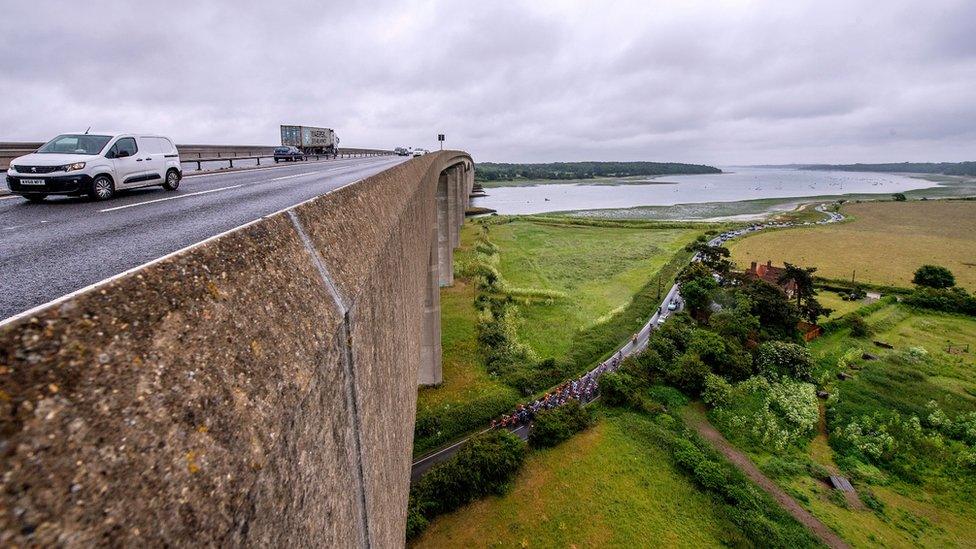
102, 188
35, 197
172, 180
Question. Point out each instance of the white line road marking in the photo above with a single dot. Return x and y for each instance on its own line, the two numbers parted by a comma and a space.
8, 197
168, 198
291, 176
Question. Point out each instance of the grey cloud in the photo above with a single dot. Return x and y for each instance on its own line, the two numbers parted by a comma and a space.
699, 81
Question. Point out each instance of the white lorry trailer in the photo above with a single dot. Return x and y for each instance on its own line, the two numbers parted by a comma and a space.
311, 140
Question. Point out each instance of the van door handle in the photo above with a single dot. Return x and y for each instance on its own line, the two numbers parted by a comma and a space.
138, 160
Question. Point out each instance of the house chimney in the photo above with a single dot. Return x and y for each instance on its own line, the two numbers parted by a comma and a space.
752, 268
769, 263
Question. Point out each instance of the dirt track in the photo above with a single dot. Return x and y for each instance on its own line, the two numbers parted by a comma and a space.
742, 461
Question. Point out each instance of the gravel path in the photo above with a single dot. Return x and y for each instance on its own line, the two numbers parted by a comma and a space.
742, 461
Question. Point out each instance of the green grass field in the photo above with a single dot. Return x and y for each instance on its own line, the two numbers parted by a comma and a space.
884, 242
832, 300
607, 277
598, 269
936, 511
610, 486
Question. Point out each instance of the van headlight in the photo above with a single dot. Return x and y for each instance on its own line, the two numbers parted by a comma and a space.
73, 167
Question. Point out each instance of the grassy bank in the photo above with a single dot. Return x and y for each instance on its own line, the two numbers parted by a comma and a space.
612, 485
885, 242
573, 291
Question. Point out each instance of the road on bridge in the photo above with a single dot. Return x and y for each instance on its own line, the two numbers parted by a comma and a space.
54, 248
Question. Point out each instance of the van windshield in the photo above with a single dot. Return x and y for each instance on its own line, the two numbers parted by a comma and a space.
76, 144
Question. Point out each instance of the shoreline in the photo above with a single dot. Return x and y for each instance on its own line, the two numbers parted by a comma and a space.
943, 187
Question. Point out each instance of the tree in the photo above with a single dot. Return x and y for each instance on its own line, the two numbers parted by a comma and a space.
697, 294
777, 315
715, 257
735, 321
806, 294
725, 357
802, 278
934, 276
775, 359
694, 270
688, 373
899, 197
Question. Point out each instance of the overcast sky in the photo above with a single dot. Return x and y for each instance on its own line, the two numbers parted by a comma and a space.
714, 82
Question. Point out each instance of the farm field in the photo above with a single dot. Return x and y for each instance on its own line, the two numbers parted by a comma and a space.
598, 270
884, 242
610, 486
917, 492
601, 286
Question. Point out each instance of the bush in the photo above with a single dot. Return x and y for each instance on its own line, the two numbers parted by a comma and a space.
485, 465
554, 426
667, 396
859, 328
689, 373
771, 415
718, 391
784, 468
934, 276
763, 522
621, 389
776, 359
950, 300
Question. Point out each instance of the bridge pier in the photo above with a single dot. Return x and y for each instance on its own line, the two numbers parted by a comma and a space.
445, 230
431, 372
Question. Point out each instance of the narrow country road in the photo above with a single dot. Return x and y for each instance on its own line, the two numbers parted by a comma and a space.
64, 244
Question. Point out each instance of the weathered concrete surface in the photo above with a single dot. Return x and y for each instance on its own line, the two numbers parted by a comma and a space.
224, 396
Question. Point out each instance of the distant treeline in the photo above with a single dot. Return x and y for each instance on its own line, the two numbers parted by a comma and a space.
944, 168
490, 171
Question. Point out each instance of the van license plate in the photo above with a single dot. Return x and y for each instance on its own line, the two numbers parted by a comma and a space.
31, 181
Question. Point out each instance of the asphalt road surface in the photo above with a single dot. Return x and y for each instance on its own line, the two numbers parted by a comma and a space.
51, 249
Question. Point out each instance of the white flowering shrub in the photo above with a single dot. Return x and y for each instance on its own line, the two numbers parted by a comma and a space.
717, 390
773, 415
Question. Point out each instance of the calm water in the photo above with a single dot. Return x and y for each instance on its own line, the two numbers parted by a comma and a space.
735, 185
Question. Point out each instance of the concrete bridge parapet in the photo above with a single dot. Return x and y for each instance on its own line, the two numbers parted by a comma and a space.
258, 389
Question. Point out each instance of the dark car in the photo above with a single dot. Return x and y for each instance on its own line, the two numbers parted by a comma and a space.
288, 153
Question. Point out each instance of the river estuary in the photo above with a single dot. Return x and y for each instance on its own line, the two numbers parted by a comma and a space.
735, 185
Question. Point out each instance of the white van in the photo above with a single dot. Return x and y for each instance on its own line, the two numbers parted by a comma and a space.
96, 164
